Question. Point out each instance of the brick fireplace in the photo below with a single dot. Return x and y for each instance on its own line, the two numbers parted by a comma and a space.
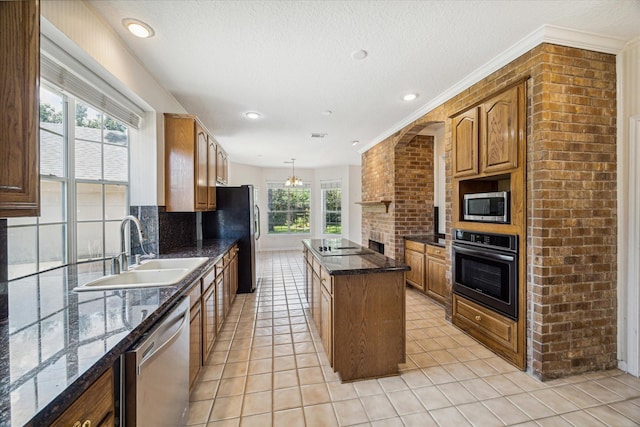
571, 201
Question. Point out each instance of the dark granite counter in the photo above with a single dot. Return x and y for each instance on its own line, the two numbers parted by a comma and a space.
369, 262
428, 239
56, 342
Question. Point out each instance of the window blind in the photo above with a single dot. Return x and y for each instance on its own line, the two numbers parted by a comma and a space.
67, 73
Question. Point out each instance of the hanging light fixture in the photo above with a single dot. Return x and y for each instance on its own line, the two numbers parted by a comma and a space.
293, 180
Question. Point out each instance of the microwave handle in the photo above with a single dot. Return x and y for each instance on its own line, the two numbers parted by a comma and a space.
487, 254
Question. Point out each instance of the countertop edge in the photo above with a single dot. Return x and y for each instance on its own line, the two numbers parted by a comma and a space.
60, 403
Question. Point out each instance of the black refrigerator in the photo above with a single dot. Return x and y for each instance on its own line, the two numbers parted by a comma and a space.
236, 217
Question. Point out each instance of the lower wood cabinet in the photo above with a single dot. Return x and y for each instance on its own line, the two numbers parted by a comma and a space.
326, 325
195, 332
428, 268
94, 408
497, 332
209, 327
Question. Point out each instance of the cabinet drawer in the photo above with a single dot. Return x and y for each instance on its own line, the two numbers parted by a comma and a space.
499, 329
414, 246
435, 251
316, 266
208, 280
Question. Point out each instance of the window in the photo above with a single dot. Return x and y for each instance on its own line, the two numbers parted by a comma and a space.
288, 208
84, 174
331, 207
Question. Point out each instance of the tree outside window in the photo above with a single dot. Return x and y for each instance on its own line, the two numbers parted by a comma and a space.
331, 207
288, 209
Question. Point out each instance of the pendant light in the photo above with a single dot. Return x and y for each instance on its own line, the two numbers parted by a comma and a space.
293, 180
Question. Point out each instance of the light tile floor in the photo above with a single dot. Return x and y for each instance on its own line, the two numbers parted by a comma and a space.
268, 368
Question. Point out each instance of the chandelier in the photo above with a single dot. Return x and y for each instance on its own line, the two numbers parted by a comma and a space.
293, 180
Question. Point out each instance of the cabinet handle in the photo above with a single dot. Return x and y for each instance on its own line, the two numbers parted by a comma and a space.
86, 423
478, 318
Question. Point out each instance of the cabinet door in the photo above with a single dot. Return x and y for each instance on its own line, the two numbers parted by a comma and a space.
499, 148
19, 87
233, 272
465, 143
307, 281
326, 330
195, 344
220, 165
436, 279
95, 407
220, 306
202, 182
415, 260
212, 154
315, 305
208, 321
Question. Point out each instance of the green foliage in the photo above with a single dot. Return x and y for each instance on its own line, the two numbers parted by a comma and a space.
48, 114
288, 210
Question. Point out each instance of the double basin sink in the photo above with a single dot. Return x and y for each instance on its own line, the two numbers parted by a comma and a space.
151, 273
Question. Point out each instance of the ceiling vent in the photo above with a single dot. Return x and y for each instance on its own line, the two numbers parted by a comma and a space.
318, 135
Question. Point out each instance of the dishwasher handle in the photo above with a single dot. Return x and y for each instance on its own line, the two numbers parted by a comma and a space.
149, 352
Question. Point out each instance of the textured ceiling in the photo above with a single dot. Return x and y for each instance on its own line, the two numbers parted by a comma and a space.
291, 60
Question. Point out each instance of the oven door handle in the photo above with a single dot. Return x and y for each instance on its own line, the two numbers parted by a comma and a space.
486, 254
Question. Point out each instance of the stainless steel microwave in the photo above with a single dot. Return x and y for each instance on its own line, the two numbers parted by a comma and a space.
487, 207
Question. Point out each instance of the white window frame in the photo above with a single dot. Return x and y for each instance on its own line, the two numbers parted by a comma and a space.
326, 186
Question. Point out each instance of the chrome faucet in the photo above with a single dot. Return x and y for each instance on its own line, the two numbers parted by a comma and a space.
124, 263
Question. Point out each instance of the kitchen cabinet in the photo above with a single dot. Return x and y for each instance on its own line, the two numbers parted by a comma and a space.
189, 185
486, 138
326, 313
436, 269
464, 134
233, 273
195, 333
360, 317
220, 295
94, 408
414, 256
19, 94
497, 332
227, 282
428, 268
222, 168
209, 327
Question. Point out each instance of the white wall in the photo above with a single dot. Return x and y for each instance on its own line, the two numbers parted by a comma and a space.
82, 33
628, 69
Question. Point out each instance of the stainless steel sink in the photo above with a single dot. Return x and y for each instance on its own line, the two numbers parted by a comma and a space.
152, 273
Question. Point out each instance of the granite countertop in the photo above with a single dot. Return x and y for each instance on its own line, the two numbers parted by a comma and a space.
371, 262
56, 342
428, 239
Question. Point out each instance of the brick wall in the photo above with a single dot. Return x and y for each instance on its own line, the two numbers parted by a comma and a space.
571, 202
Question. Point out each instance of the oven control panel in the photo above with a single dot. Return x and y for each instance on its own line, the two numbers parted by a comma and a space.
501, 241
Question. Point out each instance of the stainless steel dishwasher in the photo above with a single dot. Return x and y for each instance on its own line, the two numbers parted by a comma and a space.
156, 374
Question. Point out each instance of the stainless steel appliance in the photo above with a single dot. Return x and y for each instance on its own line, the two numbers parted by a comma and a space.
156, 374
236, 217
486, 207
485, 269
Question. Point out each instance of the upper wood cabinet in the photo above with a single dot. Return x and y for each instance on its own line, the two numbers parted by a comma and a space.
500, 132
19, 89
465, 143
222, 167
188, 165
486, 137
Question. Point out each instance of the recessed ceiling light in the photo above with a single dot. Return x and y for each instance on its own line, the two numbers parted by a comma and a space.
410, 96
252, 115
138, 28
355, 142
359, 55
327, 112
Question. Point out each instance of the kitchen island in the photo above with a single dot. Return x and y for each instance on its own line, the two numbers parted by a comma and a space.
357, 301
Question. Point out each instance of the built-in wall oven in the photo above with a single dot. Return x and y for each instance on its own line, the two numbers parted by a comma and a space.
485, 269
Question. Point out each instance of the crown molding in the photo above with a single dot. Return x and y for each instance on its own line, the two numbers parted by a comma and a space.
545, 34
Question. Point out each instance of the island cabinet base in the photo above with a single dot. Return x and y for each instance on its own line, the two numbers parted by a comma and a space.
368, 325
